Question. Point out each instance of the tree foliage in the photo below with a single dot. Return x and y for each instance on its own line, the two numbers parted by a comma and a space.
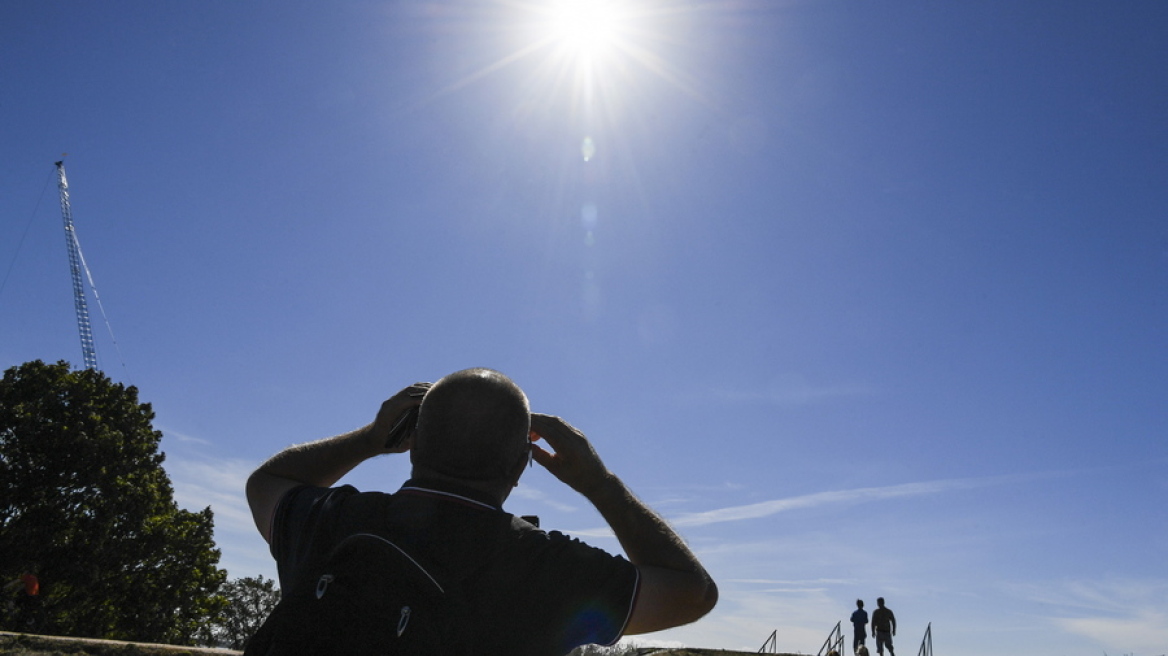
249, 602
87, 506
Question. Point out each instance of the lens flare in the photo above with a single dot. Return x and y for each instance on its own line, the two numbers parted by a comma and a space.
588, 215
588, 149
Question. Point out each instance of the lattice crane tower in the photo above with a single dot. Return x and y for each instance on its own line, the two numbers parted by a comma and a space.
75, 263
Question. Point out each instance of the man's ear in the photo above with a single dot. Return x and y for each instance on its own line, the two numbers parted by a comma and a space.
517, 469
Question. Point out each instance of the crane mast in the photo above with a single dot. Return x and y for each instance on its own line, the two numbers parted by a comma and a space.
87, 350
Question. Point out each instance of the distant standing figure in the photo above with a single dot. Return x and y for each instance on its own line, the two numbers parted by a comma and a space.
859, 626
884, 627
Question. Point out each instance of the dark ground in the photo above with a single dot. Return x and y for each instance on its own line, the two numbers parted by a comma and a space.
23, 644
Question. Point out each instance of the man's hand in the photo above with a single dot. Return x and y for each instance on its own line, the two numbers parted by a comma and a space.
324, 462
574, 462
393, 411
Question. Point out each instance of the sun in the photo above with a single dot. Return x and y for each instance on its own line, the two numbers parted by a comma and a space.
587, 28
595, 54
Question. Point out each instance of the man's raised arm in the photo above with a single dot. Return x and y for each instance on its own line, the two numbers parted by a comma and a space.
675, 589
324, 462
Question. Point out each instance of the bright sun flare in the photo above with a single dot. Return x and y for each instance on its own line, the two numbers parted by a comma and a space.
595, 50
587, 28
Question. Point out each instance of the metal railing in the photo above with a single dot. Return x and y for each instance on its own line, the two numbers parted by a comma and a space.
927, 642
835, 641
771, 646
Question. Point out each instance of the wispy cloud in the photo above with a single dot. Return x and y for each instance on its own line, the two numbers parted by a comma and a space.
202, 480
834, 497
215, 483
1125, 615
744, 618
816, 583
534, 494
599, 532
183, 437
1145, 633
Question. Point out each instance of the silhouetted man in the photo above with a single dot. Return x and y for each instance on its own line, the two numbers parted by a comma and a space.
531, 592
883, 627
859, 626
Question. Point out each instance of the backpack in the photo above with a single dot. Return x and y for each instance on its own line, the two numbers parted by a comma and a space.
370, 598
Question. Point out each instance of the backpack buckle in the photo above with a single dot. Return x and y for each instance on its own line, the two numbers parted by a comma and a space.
323, 584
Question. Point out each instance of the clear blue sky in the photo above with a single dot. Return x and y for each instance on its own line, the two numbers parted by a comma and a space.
867, 298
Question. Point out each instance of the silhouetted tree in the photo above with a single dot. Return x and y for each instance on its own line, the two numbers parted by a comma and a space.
85, 503
249, 601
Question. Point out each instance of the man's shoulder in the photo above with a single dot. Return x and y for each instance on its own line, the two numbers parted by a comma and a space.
560, 575
554, 543
310, 494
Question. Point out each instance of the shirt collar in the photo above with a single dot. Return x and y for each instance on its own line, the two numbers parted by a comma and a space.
454, 491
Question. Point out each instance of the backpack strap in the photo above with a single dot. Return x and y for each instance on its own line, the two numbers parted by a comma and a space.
369, 595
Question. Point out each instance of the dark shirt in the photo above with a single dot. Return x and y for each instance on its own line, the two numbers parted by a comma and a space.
883, 620
530, 592
859, 619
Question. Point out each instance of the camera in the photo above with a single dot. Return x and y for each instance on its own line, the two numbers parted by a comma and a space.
403, 428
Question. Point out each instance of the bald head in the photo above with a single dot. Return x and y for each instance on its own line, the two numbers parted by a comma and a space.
473, 425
